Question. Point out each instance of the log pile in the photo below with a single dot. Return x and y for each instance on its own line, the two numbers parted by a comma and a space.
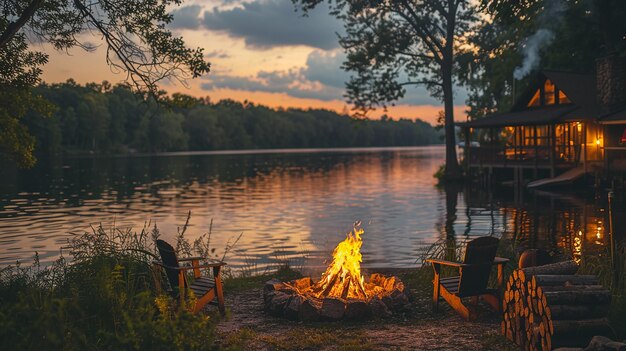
549, 306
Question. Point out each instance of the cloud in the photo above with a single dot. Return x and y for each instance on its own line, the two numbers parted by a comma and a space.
217, 54
186, 17
289, 82
264, 24
322, 78
325, 67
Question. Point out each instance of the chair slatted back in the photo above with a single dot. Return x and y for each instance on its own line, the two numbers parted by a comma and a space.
480, 254
168, 258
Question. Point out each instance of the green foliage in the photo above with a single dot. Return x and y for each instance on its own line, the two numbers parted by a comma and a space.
19, 69
135, 33
441, 171
98, 118
104, 298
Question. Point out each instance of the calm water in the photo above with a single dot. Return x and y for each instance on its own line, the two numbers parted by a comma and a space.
284, 203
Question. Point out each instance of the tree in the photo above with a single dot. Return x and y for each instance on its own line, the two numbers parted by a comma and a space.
19, 71
581, 32
392, 44
136, 38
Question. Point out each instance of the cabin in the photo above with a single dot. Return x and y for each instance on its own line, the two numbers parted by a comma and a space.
562, 122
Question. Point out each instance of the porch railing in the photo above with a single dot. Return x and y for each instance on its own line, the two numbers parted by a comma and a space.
531, 155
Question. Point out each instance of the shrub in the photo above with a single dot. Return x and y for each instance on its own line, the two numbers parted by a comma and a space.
103, 297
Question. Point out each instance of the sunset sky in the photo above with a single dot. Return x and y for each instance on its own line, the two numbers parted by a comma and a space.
260, 50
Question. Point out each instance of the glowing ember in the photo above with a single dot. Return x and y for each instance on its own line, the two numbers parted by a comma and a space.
343, 276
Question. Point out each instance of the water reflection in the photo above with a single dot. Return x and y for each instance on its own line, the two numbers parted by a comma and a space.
285, 204
570, 225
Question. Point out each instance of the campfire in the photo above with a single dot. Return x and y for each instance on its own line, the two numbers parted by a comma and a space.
340, 293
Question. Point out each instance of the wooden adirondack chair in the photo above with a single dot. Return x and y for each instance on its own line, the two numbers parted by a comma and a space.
472, 279
205, 288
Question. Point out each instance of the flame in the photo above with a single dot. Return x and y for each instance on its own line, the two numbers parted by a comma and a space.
343, 276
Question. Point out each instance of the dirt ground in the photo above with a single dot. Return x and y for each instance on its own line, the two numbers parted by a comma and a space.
248, 327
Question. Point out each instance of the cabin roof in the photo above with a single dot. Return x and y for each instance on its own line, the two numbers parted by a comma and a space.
579, 88
618, 117
535, 116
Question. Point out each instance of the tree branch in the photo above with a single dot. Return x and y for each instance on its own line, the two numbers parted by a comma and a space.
424, 81
14, 27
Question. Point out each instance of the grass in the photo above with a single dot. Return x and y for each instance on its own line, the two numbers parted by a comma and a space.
612, 274
302, 338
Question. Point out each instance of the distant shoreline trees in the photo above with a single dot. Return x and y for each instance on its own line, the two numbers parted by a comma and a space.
105, 119
136, 40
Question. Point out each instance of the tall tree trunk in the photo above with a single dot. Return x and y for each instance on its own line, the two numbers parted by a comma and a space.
452, 194
453, 171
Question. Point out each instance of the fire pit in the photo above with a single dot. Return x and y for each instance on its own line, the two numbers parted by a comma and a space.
341, 293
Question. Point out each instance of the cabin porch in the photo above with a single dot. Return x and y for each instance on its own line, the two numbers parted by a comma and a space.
554, 147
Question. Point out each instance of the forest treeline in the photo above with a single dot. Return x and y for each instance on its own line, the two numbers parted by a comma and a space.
102, 118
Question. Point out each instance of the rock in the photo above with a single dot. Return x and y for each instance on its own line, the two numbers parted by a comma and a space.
399, 286
292, 308
378, 308
268, 296
276, 305
357, 309
399, 300
333, 308
533, 258
602, 343
273, 285
310, 310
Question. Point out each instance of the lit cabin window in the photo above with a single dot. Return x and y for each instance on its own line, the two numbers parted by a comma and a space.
563, 99
549, 93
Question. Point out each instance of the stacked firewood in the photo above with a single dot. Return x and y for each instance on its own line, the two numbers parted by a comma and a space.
549, 306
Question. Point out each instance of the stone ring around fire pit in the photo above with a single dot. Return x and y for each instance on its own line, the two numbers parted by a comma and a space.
296, 300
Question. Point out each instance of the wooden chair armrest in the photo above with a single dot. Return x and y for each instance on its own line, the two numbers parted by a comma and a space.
181, 268
185, 268
209, 265
446, 263
200, 258
500, 260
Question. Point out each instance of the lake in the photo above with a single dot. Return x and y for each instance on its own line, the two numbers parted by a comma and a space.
289, 204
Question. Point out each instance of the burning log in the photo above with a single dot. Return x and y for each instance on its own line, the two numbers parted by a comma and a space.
548, 306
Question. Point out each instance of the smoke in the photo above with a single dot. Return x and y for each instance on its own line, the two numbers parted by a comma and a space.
548, 20
530, 51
